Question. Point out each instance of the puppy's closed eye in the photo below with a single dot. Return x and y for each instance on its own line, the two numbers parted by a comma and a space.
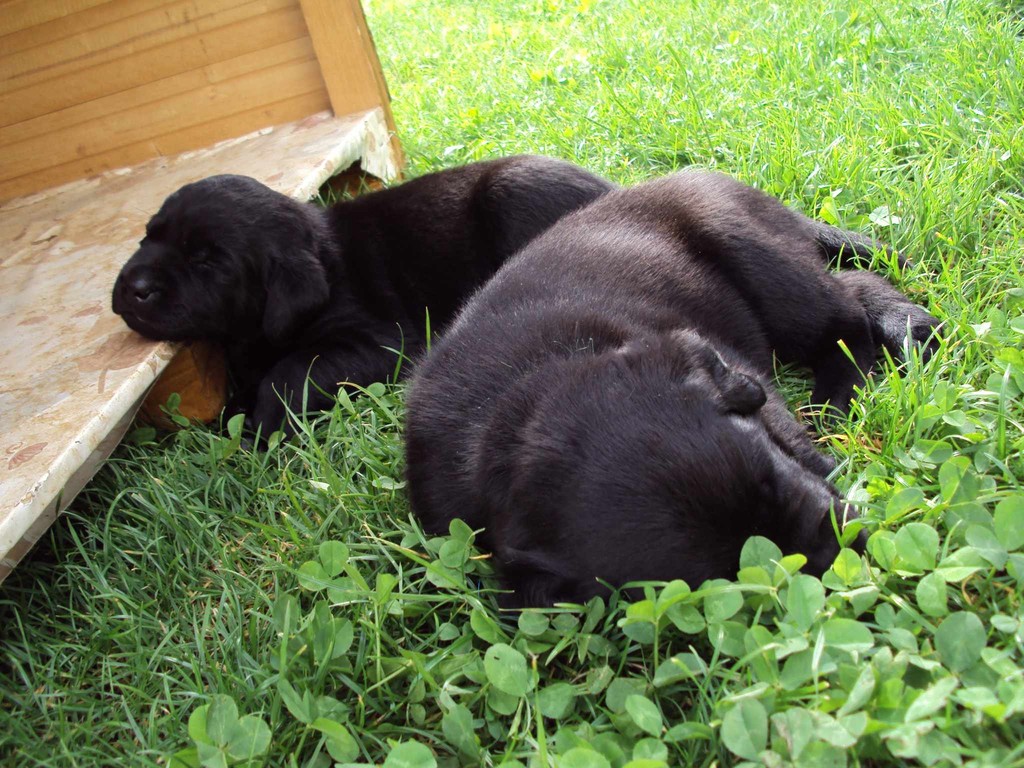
200, 255
198, 250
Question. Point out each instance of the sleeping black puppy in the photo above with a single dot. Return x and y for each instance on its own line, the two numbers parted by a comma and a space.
291, 289
602, 408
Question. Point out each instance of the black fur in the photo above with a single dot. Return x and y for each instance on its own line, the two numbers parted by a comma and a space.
603, 406
290, 288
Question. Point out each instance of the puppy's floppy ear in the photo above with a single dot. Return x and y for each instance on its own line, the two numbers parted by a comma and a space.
296, 286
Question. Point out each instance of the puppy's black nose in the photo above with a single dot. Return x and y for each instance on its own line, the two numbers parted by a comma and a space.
141, 289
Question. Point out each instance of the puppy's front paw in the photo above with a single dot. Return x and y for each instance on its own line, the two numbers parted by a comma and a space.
909, 325
257, 433
925, 333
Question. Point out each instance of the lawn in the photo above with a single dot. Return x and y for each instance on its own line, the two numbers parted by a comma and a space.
201, 604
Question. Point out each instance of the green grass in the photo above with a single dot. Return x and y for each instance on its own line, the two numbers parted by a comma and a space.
200, 598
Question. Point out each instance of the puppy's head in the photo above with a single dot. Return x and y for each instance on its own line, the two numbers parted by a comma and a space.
224, 258
656, 461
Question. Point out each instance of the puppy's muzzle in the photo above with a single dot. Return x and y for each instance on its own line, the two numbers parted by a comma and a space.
142, 289
136, 289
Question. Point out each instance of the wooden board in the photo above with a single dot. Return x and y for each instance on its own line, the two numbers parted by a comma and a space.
354, 81
89, 86
39, 84
71, 373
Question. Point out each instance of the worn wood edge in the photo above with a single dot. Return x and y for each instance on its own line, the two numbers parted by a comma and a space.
78, 480
52, 487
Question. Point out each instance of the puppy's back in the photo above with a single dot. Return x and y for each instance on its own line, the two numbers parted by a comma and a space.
437, 238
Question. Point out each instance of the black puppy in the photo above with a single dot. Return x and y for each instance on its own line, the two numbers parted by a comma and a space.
603, 406
291, 289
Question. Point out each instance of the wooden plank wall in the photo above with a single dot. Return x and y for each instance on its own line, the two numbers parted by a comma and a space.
89, 85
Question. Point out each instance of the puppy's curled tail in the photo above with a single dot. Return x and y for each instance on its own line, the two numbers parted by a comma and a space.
850, 249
